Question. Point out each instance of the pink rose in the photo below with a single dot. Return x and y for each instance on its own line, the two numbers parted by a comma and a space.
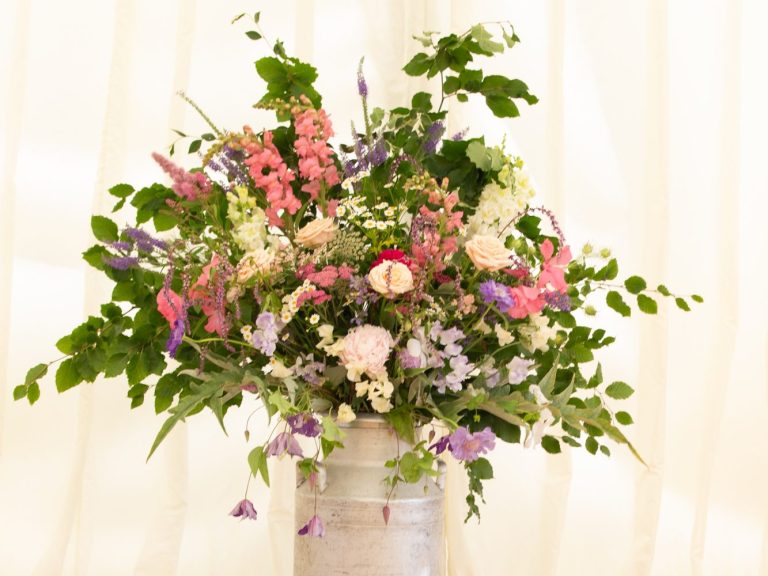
366, 350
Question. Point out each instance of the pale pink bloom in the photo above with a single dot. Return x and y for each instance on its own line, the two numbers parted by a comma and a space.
366, 349
527, 301
552, 271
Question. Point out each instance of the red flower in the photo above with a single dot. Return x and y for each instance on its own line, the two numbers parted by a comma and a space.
391, 254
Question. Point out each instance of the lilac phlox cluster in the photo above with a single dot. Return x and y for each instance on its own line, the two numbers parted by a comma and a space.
244, 509
285, 442
314, 527
459, 364
518, 369
265, 336
122, 262
459, 136
558, 300
305, 424
143, 240
465, 445
435, 132
493, 292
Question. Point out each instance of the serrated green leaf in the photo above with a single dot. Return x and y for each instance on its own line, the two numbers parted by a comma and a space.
418, 65
619, 390
647, 304
624, 418
609, 271
682, 304
478, 155
616, 302
20, 392
401, 419
35, 373
481, 469
663, 290
33, 393
502, 106
121, 190
551, 444
67, 376
485, 39
278, 401
104, 229
257, 460
635, 284
591, 445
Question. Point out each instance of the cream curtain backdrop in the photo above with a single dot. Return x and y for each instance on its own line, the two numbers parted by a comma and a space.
649, 138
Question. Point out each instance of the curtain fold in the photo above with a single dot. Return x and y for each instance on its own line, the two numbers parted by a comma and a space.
649, 139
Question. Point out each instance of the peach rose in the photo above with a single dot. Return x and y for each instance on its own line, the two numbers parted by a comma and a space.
316, 233
488, 252
254, 262
391, 278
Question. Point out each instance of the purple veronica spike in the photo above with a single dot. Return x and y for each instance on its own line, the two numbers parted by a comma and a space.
378, 154
460, 135
284, 442
244, 509
558, 301
434, 134
304, 424
144, 241
362, 85
469, 447
314, 527
124, 246
122, 262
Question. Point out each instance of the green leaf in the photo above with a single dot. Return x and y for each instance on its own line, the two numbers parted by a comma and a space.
67, 376
591, 445
33, 393
547, 384
619, 390
410, 467
635, 284
485, 39
481, 469
551, 444
682, 304
615, 301
20, 392
238, 17
646, 304
478, 154
253, 35
401, 419
418, 65
257, 460
609, 271
502, 106
597, 378
331, 431
422, 101
461, 97
104, 229
164, 221
697, 298
624, 418
278, 401
35, 373
605, 450
194, 146
663, 290
137, 368
121, 190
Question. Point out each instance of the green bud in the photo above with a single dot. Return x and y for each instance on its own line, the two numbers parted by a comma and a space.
590, 310
587, 249
605, 253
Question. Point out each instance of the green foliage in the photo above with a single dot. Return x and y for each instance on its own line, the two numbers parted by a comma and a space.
616, 302
619, 390
288, 77
635, 284
647, 304
257, 460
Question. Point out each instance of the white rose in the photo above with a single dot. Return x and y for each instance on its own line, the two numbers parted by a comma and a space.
488, 253
316, 233
391, 278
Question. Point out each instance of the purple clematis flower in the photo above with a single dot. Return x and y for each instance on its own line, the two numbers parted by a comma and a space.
314, 527
441, 445
305, 424
284, 442
244, 509
469, 447
176, 337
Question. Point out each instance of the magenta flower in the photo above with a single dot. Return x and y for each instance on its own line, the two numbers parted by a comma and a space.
469, 447
284, 442
244, 509
314, 527
304, 424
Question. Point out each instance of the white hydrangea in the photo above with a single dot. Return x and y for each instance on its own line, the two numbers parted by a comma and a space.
500, 205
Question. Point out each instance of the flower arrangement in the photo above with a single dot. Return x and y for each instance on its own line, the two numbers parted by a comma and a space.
405, 274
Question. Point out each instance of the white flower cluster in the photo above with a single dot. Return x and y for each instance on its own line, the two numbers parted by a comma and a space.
379, 392
353, 208
500, 205
250, 232
291, 302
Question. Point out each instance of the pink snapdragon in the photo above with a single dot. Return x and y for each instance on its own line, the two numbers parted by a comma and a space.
169, 304
187, 185
313, 128
210, 303
271, 174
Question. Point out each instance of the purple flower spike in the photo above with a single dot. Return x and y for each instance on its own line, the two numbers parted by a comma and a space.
176, 337
362, 85
469, 447
305, 424
314, 527
122, 262
244, 509
284, 442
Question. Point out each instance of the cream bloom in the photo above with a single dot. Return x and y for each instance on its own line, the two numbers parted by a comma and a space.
365, 351
251, 234
488, 252
316, 233
258, 261
345, 414
391, 278
538, 333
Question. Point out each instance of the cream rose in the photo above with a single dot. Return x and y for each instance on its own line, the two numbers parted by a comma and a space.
488, 252
365, 351
316, 233
260, 260
391, 278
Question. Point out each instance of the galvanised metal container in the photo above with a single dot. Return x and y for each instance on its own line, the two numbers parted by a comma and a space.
349, 498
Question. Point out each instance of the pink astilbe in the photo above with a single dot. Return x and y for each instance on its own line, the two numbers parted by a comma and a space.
552, 270
326, 277
316, 296
271, 174
187, 185
313, 128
